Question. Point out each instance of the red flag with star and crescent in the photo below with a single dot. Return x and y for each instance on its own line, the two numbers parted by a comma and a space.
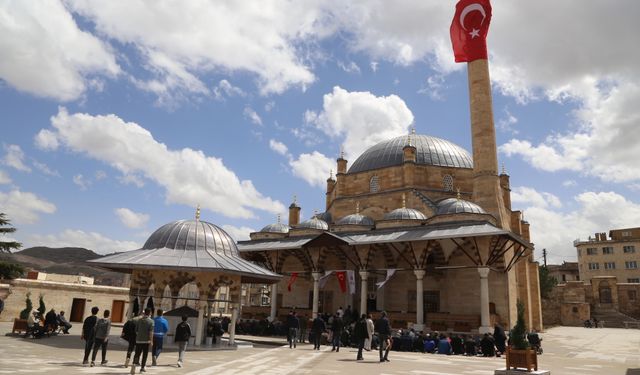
342, 280
469, 30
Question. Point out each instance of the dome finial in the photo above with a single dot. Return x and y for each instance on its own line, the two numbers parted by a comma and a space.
404, 201
341, 152
278, 218
331, 174
295, 199
357, 208
198, 213
458, 193
504, 170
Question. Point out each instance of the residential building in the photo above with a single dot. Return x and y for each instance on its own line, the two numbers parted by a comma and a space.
618, 255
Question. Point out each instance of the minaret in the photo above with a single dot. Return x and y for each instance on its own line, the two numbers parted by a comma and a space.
487, 191
294, 212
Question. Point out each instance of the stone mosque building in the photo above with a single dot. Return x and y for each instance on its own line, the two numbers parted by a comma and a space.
427, 213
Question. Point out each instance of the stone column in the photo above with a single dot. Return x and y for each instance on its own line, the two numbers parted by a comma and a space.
316, 294
232, 326
419, 326
200, 322
274, 302
485, 319
364, 278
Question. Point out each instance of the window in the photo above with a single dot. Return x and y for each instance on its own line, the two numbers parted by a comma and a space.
631, 265
592, 251
636, 280
447, 183
607, 250
564, 277
629, 249
374, 185
609, 265
594, 266
626, 234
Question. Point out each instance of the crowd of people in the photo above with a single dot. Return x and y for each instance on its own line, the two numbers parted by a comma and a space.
41, 325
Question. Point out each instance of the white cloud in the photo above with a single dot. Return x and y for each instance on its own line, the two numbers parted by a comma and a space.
252, 115
4, 178
131, 179
350, 67
14, 158
507, 122
81, 181
44, 53
130, 218
314, 168
24, 207
79, 238
238, 233
278, 147
46, 140
226, 89
569, 183
374, 66
435, 85
362, 118
100, 175
45, 169
523, 194
269, 106
189, 176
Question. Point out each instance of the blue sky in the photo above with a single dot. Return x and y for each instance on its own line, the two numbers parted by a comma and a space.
119, 117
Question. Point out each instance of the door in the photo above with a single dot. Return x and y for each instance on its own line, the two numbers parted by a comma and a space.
77, 309
117, 311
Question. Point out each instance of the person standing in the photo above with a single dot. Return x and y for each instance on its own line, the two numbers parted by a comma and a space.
317, 328
500, 338
303, 329
144, 335
360, 334
293, 324
88, 333
160, 329
370, 328
336, 326
383, 328
129, 335
182, 336
103, 328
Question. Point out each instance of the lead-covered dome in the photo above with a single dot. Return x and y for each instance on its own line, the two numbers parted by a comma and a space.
429, 151
276, 228
355, 219
405, 214
458, 206
314, 223
192, 235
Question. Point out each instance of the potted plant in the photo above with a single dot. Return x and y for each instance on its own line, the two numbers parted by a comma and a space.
518, 354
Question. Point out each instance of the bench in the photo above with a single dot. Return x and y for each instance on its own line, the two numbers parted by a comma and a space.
19, 326
631, 324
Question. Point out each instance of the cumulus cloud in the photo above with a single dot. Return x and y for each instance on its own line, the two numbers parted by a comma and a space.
46, 54
362, 118
226, 89
527, 195
252, 115
278, 147
188, 176
14, 158
46, 140
238, 233
314, 168
130, 218
79, 238
24, 207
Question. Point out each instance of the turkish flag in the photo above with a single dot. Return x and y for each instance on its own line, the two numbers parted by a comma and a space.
294, 276
342, 279
469, 30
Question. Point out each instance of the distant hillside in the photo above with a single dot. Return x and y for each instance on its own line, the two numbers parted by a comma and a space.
60, 255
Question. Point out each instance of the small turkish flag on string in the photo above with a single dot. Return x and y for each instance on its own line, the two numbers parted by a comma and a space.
342, 279
469, 30
294, 276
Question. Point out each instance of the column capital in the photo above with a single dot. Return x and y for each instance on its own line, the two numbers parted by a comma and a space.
484, 272
419, 274
316, 275
363, 274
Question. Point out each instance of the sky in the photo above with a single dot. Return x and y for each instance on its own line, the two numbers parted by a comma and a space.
118, 117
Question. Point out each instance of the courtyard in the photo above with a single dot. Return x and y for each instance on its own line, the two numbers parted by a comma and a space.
567, 351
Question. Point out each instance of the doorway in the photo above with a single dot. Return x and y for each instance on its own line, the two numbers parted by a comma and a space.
77, 309
117, 311
605, 292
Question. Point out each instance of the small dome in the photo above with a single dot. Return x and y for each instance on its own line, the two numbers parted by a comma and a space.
458, 206
192, 235
325, 216
355, 219
314, 223
276, 228
404, 214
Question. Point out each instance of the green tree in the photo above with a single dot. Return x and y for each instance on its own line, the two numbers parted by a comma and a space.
41, 307
24, 314
6, 246
547, 282
10, 270
519, 332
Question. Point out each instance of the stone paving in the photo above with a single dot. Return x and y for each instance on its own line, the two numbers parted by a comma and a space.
567, 351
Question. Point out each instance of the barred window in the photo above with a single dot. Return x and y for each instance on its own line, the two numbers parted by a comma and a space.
629, 249
607, 250
631, 265
634, 280
374, 184
594, 266
592, 251
609, 265
447, 182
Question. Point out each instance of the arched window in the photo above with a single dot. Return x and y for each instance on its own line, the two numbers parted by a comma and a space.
374, 185
447, 183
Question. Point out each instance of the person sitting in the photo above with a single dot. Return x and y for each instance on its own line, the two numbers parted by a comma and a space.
470, 346
35, 325
444, 346
429, 344
51, 321
457, 345
534, 340
64, 323
487, 345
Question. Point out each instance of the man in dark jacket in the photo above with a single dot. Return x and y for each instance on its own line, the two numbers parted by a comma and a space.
129, 335
293, 324
51, 321
500, 338
88, 334
383, 328
487, 345
182, 336
318, 326
336, 326
360, 334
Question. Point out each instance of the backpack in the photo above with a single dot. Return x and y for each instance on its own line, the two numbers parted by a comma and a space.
129, 330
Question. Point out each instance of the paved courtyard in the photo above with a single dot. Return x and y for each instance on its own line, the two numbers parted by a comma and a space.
567, 351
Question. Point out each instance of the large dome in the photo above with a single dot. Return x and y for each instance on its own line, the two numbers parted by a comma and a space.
192, 235
429, 151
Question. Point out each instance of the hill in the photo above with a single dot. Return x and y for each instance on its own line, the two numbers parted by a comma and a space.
60, 254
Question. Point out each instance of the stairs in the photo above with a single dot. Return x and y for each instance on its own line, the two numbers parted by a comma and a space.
611, 318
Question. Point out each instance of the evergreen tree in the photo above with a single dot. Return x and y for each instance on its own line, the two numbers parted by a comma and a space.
24, 314
41, 307
519, 331
547, 283
10, 270
6, 246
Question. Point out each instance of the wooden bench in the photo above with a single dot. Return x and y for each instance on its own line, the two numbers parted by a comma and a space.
20, 326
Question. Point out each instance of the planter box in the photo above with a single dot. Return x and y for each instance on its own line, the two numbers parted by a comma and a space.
525, 359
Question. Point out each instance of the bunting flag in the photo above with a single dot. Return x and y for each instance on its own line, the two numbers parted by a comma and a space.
294, 276
390, 273
323, 280
342, 280
351, 276
469, 30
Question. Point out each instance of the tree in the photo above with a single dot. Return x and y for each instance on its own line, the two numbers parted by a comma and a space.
6, 246
24, 314
41, 307
519, 332
547, 282
10, 270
